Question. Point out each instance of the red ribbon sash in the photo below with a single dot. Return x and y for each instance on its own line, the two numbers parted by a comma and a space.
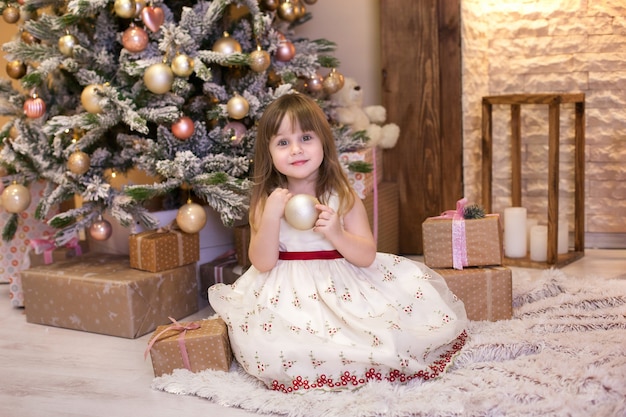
305, 256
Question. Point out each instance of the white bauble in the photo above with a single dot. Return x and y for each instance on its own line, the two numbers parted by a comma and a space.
191, 218
300, 211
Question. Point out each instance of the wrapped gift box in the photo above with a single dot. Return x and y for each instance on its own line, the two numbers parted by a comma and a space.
207, 347
388, 216
156, 250
101, 293
483, 239
225, 269
364, 182
486, 292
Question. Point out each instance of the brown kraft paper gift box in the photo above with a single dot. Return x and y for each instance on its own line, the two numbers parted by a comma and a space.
207, 347
486, 292
224, 269
101, 293
483, 241
161, 250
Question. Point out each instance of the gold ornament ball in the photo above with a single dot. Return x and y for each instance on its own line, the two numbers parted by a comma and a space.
15, 198
139, 5
182, 65
11, 14
269, 5
333, 82
28, 37
300, 211
287, 11
158, 78
78, 162
191, 218
16, 69
135, 39
227, 45
259, 60
67, 43
90, 98
183, 128
100, 230
125, 8
237, 107
34, 107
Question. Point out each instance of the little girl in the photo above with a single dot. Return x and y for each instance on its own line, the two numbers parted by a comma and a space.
320, 308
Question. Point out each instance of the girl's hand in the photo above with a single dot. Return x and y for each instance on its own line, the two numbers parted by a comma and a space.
328, 223
275, 204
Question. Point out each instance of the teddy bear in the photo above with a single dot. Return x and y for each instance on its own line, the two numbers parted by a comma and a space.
349, 111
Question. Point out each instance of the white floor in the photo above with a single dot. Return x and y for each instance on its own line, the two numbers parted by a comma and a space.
47, 371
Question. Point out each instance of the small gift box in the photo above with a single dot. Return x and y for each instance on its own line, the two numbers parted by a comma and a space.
224, 269
363, 182
101, 293
195, 346
486, 292
451, 241
163, 249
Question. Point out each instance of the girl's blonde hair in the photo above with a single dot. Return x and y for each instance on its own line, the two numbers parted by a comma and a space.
305, 112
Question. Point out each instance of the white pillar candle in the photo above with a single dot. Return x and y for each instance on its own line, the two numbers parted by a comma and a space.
539, 243
563, 238
515, 232
529, 224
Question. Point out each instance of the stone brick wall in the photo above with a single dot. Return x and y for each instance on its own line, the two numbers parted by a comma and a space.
560, 46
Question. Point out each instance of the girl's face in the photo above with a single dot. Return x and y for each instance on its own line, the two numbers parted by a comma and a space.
296, 154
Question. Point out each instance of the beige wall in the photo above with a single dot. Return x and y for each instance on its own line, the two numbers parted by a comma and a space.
354, 25
562, 46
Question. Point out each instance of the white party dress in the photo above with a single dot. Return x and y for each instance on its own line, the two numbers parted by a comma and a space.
326, 324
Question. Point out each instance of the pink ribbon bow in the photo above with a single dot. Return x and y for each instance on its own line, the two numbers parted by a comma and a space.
45, 246
178, 327
74, 244
459, 242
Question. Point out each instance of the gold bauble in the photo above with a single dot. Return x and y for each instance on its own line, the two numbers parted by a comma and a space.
300, 211
237, 107
16, 69
90, 98
226, 45
67, 44
158, 78
182, 65
333, 82
78, 162
259, 60
15, 198
191, 217
287, 11
28, 37
11, 14
125, 9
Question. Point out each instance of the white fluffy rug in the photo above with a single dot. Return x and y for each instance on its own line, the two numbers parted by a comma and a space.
563, 354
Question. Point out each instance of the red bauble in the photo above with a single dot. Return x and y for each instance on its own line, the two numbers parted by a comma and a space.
285, 51
183, 128
135, 39
34, 107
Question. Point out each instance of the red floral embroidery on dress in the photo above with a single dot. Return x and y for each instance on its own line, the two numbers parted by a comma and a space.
348, 379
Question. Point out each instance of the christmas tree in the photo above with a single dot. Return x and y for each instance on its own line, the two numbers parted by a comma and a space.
170, 88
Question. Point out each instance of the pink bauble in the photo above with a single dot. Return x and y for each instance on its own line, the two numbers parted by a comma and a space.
285, 51
183, 128
100, 230
315, 84
34, 107
135, 39
237, 130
